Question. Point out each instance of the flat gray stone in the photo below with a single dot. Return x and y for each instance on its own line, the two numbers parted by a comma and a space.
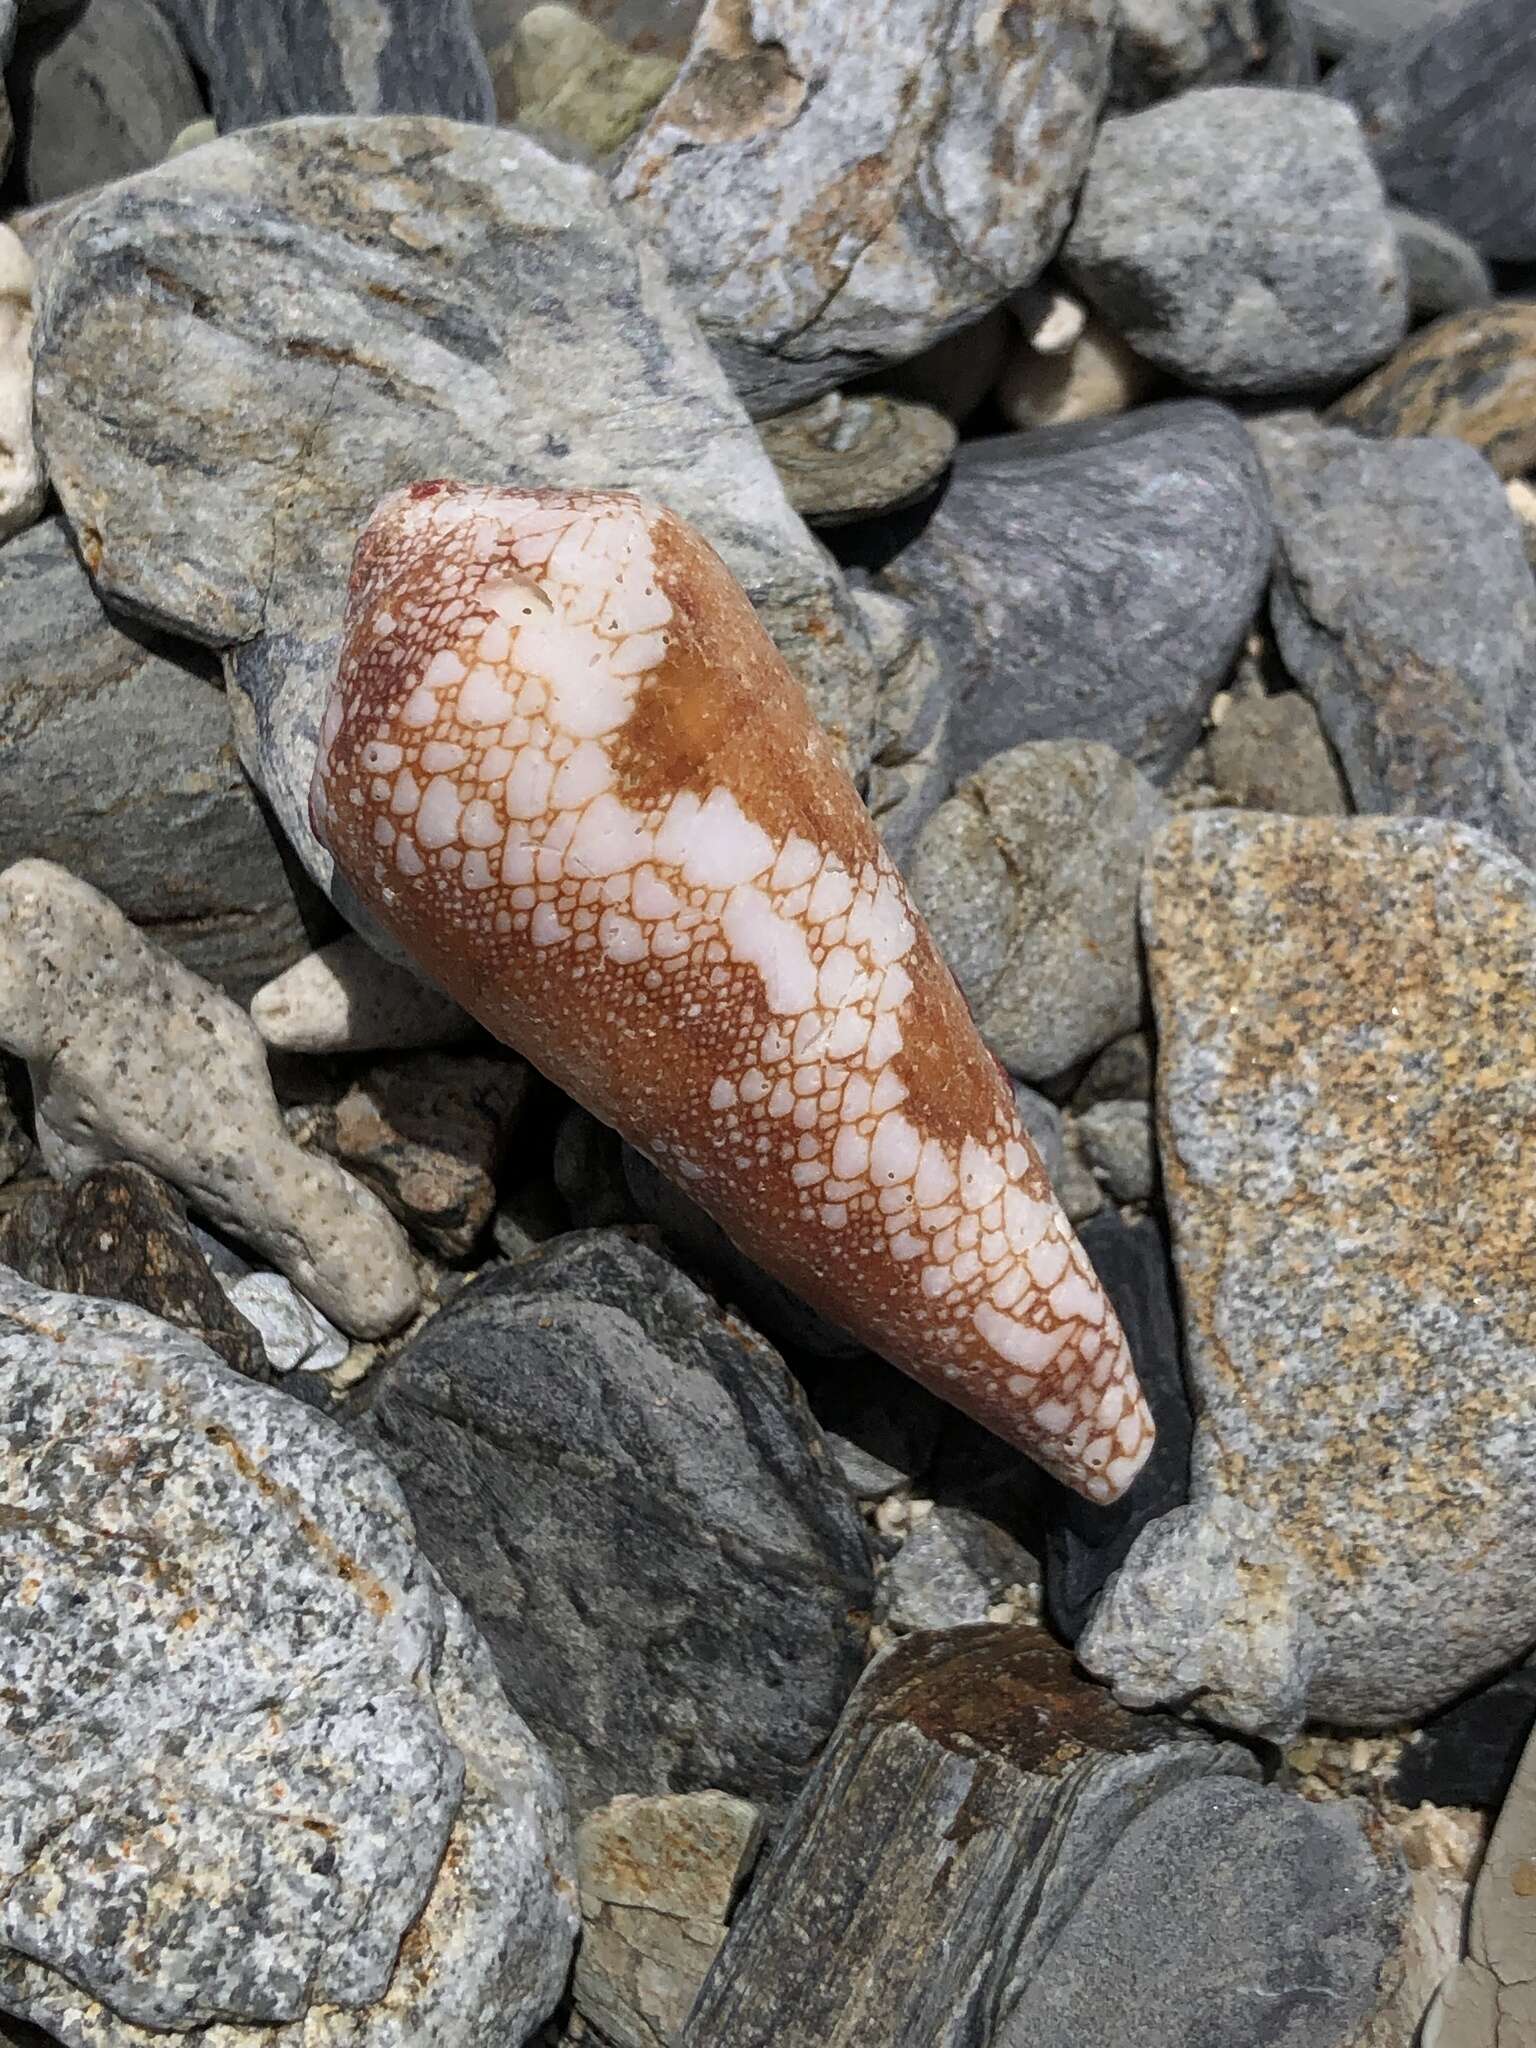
1239, 237
251, 1743
243, 350
106, 98
1094, 581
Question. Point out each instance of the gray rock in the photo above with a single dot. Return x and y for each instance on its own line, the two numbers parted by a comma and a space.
322, 310
1094, 581
267, 59
1043, 1121
1027, 877
107, 97
845, 457
1404, 607
559, 75
1344, 1008
1229, 1915
1340, 27
1446, 109
909, 774
836, 190
952, 1570
252, 1743
629, 1495
344, 997
1444, 273
117, 759
1118, 1144
1121, 1073
294, 1335
1164, 47
1271, 754
1239, 238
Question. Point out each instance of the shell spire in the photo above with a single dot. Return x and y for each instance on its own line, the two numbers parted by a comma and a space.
568, 771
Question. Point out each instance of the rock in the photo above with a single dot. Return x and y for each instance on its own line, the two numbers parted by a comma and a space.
957, 1568
133, 1057
15, 1142
1118, 1142
1094, 581
1288, 1932
1342, 1009
266, 59
1238, 237
1085, 1545
347, 998
295, 1337
658, 1880
1446, 111
956, 373
1404, 607
916, 162
23, 489
1444, 272
1076, 1189
909, 774
1097, 377
1467, 1755
1441, 1848
427, 1133
1043, 1121
1270, 754
560, 74
121, 1234
116, 757
1487, 2002
643, 26
223, 413
108, 97
1027, 878
1341, 27
842, 458
1163, 47
1121, 1073
1522, 502
193, 136
952, 1829
626, 1490
1470, 376
253, 1743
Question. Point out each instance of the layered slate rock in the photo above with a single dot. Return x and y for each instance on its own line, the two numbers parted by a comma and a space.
627, 1492
243, 350
836, 189
1094, 581
265, 1788
116, 758
1471, 376
1345, 1094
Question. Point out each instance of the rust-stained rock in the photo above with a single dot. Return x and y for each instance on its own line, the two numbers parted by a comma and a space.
1471, 376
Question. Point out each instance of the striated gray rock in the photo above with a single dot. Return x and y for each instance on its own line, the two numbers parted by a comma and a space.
108, 97
626, 1490
835, 190
1343, 1008
1027, 877
116, 758
1094, 581
252, 1745
319, 311
845, 457
909, 774
1405, 609
1239, 237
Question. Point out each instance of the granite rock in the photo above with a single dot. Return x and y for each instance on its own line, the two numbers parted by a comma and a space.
1027, 878
1239, 237
1443, 272
1489, 2000
1094, 581
1269, 753
253, 1746
909, 775
559, 74
836, 190
1470, 376
321, 310
1466, 1756
1118, 1142
1164, 47
107, 97
1404, 607
1343, 1008
954, 1569
629, 1495
23, 489
116, 759
345, 997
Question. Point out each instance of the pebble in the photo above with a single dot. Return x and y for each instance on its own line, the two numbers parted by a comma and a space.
23, 488
1402, 559
1444, 273
1270, 753
1487, 2000
844, 132
1466, 1756
1122, 1072
1470, 376
1117, 1141
260, 1643
133, 1057
108, 97
345, 997
957, 1568
1343, 1011
1095, 377
1238, 236
669, 1570
845, 457
1094, 581
1027, 878
294, 1335
909, 775
558, 74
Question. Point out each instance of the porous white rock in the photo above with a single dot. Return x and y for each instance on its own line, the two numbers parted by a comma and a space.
347, 998
293, 1333
22, 485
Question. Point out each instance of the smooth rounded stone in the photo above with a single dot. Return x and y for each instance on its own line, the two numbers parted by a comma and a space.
319, 308
133, 1057
193, 136
627, 1491
1027, 878
845, 457
1095, 378
1488, 2001
1344, 1014
1229, 1915
345, 997
909, 775
120, 1233
1470, 376
1118, 1142
106, 98
1444, 273
1163, 47
837, 190
1402, 560
295, 1337
253, 1743
23, 487
558, 73
1467, 1755
1270, 754
1238, 236
955, 1568
267, 59
956, 373
1121, 1073
116, 759
1446, 109
1094, 581
663, 27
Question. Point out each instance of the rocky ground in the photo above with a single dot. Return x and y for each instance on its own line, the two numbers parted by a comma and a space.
451, 1595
